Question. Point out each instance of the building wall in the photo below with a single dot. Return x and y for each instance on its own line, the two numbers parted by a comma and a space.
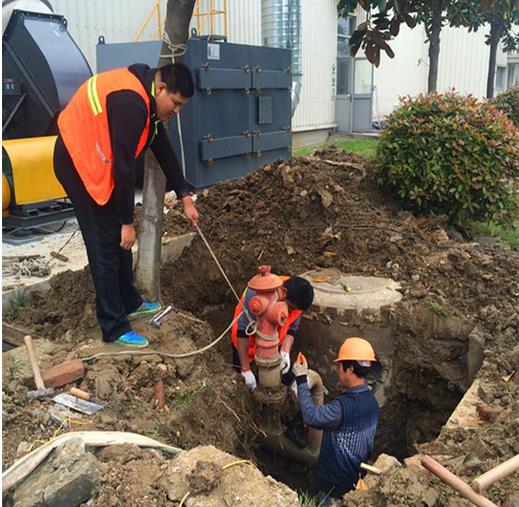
463, 65
316, 108
405, 74
121, 21
116, 20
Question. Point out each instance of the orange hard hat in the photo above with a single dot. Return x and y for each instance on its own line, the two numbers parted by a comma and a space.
356, 349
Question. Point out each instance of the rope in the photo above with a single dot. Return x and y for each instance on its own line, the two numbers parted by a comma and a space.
177, 50
217, 263
184, 498
30, 267
239, 462
251, 326
165, 354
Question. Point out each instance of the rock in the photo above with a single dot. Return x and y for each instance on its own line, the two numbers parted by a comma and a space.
204, 478
413, 461
515, 357
61, 415
326, 198
471, 461
415, 278
240, 484
511, 501
475, 354
439, 236
385, 462
67, 479
488, 413
430, 497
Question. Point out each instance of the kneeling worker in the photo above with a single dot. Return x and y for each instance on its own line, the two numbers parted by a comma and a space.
349, 421
298, 293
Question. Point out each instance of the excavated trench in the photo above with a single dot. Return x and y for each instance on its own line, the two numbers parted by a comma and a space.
424, 354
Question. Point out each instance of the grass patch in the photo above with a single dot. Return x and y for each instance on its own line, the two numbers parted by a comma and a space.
307, 500
365, 147
509, 234
19, 298
185, 399
439, 309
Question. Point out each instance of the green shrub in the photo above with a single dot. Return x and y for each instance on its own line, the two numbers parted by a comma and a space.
451, 154
508, 103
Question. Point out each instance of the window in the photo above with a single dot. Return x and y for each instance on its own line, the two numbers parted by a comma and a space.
500, 78
345, 28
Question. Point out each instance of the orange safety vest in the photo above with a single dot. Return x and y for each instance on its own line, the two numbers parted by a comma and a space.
282, 330
84, 128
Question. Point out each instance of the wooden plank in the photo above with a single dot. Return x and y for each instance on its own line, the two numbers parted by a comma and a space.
13, 335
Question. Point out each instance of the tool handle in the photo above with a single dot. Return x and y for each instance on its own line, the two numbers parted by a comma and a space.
38, 380
499, 472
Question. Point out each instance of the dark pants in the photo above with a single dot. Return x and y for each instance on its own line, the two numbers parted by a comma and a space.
110, 265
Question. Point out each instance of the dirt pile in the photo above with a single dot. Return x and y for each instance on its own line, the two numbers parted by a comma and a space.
326, 210
319, 211
204, 402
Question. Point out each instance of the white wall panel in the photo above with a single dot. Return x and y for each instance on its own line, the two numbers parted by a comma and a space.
244, 21
117, 20
406, 74
121, 20
463, 65
316, 108
463, 61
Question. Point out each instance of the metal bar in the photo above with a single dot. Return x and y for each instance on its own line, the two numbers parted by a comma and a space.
13, 112
143, 27
211, 17
159, 20
225, 17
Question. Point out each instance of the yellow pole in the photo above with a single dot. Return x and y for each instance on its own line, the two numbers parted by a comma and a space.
159, 20
145, 24
197, 14
211, 20
225, 17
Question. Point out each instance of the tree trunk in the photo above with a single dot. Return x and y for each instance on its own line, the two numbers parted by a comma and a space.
178, 17
496, 31
433, 34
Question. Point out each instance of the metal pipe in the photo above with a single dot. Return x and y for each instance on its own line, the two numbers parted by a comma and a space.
455, 482
499, 472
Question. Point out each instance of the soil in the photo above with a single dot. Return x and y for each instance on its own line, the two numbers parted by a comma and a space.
324, 210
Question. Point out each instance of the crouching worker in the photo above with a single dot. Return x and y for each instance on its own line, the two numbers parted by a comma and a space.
349, 421
298, 293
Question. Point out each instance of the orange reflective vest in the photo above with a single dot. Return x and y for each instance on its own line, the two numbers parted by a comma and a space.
282, 330
83, 125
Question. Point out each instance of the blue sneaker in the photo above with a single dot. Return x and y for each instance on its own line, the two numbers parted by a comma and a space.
147, 308
132, 339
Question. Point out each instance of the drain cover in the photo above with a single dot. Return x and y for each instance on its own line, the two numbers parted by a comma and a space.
342, 292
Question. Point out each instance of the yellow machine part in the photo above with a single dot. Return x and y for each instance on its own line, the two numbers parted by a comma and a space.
33, 178
6, 193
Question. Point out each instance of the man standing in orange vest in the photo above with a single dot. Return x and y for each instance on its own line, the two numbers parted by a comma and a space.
108, 124
298, 293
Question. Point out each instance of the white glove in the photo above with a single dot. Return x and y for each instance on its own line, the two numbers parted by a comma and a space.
285, 362
250, 379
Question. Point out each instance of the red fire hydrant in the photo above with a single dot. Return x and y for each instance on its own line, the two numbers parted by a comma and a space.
270, 313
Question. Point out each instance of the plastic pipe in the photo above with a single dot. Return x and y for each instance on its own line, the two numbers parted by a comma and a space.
455, 482
499, 472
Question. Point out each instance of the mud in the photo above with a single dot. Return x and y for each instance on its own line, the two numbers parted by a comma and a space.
204, 402
320, 211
